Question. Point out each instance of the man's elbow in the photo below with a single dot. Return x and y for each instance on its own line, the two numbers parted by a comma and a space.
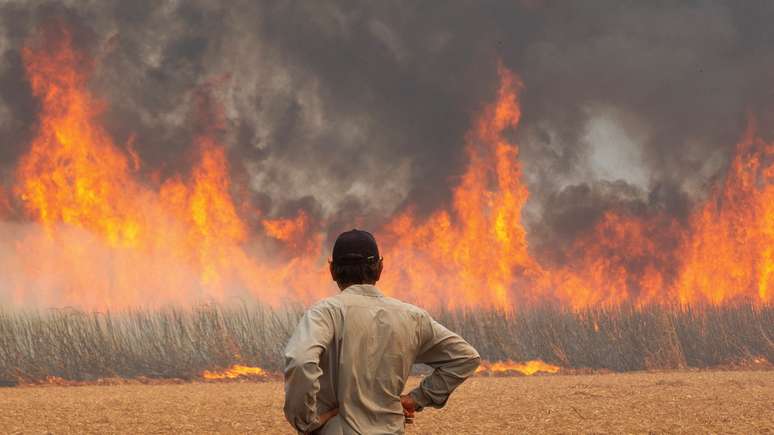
296, 362
301, 365
470, 360
473, 362
291, 364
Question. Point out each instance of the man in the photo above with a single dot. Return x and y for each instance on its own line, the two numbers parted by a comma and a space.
347, 363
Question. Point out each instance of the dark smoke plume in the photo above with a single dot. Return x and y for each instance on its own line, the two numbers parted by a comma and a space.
353, 110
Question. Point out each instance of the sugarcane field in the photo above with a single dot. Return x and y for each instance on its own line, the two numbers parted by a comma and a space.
440, 217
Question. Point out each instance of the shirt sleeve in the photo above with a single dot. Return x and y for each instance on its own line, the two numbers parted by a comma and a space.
311, 338
453, 360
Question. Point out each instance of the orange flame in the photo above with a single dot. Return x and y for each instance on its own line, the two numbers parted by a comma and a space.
527, 368
293, 232
730, 251
477, 253
110, 239
103, 236
236, 371
622, 259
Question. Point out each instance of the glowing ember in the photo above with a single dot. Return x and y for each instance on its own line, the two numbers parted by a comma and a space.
236, 371
527, 368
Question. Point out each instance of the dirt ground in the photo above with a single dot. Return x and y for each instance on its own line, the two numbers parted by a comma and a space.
675, 402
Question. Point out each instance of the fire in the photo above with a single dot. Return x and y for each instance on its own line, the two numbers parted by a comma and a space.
112, 239
730, 250
622, 259
236, 371
98, 232
527, 368
291, 231
476, 253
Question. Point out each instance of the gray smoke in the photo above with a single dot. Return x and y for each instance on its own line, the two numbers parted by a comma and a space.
353, 110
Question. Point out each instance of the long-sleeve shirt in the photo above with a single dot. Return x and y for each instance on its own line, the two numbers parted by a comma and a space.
354, 352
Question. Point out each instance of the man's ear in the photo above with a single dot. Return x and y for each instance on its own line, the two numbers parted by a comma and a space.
333, 271
379, 268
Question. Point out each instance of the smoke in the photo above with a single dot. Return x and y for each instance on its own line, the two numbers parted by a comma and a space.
355, 110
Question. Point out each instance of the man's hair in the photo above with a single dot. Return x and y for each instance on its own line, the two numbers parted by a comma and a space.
361, 273
355, 259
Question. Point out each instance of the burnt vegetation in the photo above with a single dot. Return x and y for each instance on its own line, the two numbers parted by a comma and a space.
181, 343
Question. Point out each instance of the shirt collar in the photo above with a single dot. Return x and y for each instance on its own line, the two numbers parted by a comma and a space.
364, 290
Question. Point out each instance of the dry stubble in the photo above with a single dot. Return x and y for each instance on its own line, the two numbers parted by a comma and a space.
687, 402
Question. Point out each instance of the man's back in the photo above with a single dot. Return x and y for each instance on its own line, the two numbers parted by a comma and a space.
357, 348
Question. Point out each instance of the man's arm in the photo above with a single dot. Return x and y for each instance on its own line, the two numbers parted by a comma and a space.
302, 369
452, 359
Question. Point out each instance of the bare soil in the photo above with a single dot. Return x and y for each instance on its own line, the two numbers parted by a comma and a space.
672, 402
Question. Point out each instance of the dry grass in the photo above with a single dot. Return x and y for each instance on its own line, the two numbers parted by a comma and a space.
181, 343
672, 402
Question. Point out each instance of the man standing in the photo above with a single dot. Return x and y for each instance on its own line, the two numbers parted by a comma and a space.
347, 363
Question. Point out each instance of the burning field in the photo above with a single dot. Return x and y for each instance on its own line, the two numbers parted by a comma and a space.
121, 262
87, 225
217, 343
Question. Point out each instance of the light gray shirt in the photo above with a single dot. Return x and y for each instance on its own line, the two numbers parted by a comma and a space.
354, 352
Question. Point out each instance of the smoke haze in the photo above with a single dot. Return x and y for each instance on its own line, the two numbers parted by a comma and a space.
353, 110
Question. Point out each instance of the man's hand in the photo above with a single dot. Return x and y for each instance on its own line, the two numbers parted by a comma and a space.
325, 416
409, 408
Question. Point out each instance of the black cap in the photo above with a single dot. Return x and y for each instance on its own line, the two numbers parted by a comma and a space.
355, 247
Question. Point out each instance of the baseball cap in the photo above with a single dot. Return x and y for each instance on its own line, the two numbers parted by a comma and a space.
355, 247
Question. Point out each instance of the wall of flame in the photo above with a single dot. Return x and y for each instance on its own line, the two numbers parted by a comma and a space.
84, 226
